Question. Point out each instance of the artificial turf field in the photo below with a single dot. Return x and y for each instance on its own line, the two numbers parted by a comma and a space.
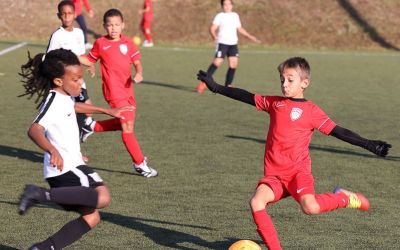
209, 149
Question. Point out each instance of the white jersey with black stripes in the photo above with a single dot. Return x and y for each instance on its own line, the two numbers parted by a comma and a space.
57, 117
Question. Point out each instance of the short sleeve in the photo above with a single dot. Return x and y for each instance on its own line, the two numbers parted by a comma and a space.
321, 121
54, 43
94, 53
135, 55
44, 118
237, 21
263, 103
217, 19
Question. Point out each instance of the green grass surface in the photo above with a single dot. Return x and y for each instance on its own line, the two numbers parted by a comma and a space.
209, 153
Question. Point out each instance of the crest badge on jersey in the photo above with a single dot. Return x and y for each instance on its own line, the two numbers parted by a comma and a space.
123, 48
295, 114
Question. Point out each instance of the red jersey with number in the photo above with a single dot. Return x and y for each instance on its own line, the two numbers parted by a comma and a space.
292, 123
115, 58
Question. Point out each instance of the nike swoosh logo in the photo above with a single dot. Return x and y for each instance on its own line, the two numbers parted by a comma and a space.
299, 190
107, 47
69, 114
280, 105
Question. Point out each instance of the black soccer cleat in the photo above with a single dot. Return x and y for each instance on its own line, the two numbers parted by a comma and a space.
29, 197
34, 247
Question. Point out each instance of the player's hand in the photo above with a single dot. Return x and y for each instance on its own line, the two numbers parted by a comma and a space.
56, 159
91, 70
208, 80
138, 78
118, 112
91, 14
380, 148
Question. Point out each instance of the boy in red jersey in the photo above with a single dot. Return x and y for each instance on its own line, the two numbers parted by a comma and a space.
116, 53
287, 162
145, 25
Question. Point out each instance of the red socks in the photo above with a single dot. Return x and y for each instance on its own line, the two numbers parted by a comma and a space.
107, 125
266, 229
133, 147
329, 201
148, 36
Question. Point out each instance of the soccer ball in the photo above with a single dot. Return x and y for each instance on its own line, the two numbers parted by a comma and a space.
136, 40
244, 245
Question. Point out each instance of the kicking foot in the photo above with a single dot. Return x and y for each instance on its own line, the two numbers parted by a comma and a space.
145, 170
31, 195
356, 200
201, 87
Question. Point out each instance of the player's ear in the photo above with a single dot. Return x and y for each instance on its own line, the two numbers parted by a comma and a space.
59, 15
58, 82
304, 83
123, 25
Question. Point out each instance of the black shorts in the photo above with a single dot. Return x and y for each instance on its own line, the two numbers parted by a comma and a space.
80, 176
83, 96
227, 50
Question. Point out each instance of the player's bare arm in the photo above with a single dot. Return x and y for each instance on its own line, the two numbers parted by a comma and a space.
244, 32
139, 71
213, 31
380, 148
115, 112
37, 135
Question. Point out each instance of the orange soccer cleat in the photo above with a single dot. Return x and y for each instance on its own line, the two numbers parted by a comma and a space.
356, 200
201, 87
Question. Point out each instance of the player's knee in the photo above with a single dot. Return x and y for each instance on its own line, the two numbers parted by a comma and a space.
257, 203
310, 208
104, 201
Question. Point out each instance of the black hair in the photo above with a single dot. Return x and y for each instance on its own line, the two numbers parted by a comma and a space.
40, 71
222, 2
111, 13
64, 3
296, 62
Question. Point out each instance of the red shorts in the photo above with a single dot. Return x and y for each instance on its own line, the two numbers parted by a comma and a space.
296, 185
129, 115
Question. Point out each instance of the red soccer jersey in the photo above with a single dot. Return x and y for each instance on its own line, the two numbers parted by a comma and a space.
78, 6
116, 58
149, 14
289, 135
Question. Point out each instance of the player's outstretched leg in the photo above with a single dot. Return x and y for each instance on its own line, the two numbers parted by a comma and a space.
144, 169
356, 200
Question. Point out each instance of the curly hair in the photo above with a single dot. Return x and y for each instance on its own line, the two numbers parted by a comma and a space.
40, 71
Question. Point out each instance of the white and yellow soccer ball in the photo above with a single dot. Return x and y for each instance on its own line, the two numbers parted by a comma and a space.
136, 40
244, 245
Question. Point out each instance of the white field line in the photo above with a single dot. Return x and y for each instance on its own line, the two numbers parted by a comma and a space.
14, 47
279, 52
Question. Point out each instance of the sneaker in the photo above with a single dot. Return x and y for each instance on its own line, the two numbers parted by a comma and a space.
148, 44
201, 87
145, 170
88, 46
34, 247
87, 129
32, 194
356, 200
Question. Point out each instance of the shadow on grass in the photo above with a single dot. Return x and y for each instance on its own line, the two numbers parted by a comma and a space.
21, 153
329, 149
4, 247
367, 28
166, 237
115, 171
171, 86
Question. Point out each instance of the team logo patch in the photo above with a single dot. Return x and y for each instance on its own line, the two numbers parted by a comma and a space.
295, 114
123, 48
